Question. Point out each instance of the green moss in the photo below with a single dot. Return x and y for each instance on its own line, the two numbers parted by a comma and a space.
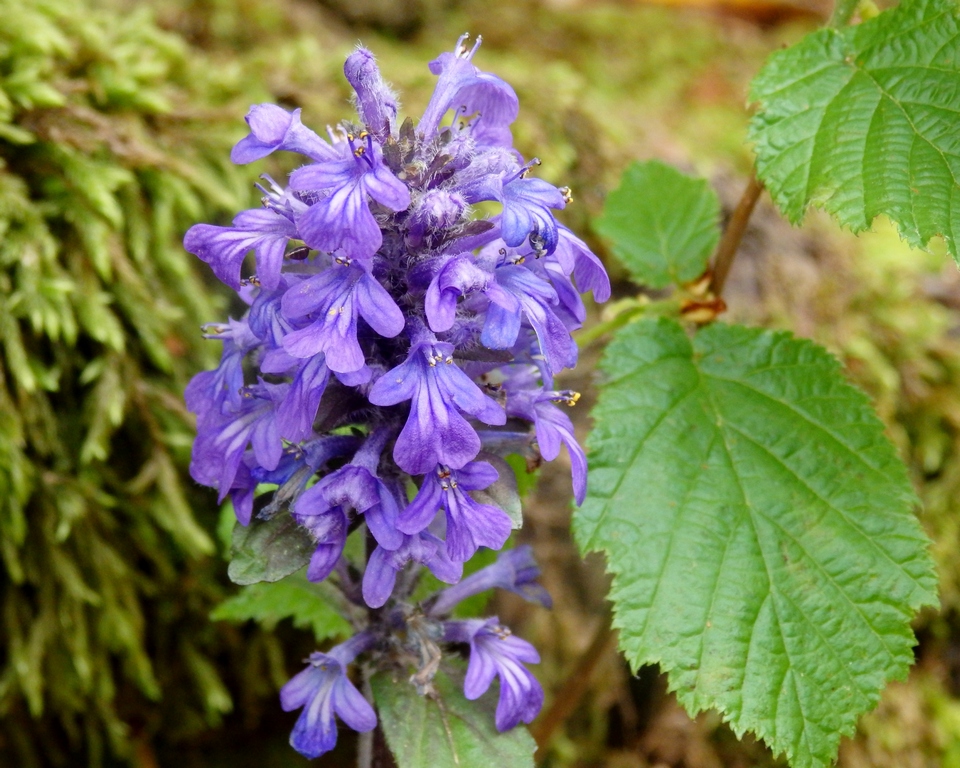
113, 139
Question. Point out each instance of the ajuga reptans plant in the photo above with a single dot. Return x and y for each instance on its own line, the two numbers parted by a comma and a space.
395, 349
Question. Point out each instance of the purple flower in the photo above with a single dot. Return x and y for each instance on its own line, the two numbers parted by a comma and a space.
341, 218
515, 571
384, 564
552, 425
335, 298
299, 407
577, 259
435, 432
264, 231
297, 465
222, 439
470, 524
376, 103
324, 690
535, 298
526, 212
273, 128
323, 509
459, 277
496, 652
463, 87
221, 389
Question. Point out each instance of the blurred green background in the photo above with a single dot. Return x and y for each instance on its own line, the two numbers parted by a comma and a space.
116, 120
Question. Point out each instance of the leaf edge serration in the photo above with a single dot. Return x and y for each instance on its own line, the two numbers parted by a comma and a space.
587, 535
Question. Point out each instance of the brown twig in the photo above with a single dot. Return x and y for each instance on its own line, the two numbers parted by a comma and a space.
577, 684
730, 242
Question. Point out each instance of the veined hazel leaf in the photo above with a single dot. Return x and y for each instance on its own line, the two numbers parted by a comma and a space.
862, 121
759, 528
664, 225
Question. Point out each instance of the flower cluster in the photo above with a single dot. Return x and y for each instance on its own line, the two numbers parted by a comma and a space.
396, 347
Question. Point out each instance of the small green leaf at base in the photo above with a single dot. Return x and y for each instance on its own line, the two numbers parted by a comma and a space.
663, 224
268, 550
309, 605
862, 121
759, 527
444, 730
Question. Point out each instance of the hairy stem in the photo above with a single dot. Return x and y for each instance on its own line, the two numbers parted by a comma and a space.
577, 684
730, 242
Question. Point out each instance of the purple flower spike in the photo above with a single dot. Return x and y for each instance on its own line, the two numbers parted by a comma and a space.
324, 690
262, 230
376, 103
391, 334
424, 548
496, 652
335, 297
435, 432
341, 219
273, 128
470, 524
515, 571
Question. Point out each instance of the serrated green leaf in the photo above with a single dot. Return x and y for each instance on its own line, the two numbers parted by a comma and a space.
309, 605
663, 224
759, 527
268, 550
861, 121
445, 730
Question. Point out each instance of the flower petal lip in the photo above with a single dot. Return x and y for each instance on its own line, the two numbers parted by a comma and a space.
336, 297
341, 219
435, 432
261, 230
461, 85
273, 128
324, 691
469, 524
496, 652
